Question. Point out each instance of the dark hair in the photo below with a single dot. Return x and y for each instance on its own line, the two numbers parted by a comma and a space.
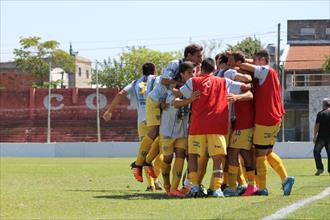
182, 68
222, 57
239, 56
326, 102
148, 68
208, 65
262, 54
192, 49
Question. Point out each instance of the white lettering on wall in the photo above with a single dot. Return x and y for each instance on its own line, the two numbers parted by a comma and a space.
58, 97
90, 101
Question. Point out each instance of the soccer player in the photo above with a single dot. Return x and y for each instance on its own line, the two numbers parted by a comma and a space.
268, 116
205, 132
192, 53
241, 139
174, 133
137, 92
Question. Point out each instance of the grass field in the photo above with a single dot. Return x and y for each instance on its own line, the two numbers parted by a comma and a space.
104, 188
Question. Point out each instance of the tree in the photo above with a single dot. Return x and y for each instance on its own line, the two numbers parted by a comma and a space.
249, 46
118, 73
326, 65
34, 57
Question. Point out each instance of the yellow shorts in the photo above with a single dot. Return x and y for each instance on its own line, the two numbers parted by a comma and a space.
167, 144
228, 136
142, 129
152, 112
213, 144
242, 139
265, 135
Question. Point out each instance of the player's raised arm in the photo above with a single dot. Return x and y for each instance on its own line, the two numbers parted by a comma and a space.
118, 98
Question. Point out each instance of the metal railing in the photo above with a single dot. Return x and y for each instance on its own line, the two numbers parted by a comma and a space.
303, 80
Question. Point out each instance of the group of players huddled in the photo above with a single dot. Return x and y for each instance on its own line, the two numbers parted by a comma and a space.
228, 110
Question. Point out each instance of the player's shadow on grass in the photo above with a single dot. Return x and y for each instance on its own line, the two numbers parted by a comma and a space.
100, 190
135, 196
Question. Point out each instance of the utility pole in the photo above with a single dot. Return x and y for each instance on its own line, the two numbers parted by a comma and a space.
49, 103
97, 105
279, 70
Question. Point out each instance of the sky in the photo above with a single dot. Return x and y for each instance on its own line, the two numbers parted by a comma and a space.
102, 29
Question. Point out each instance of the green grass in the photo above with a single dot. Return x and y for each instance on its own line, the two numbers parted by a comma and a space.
103, 188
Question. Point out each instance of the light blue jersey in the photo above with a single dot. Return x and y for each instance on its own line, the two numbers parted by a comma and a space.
158, 94
174, 122
137, 94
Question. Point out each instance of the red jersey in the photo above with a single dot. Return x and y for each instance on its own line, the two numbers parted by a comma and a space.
210, 110
244, 115
268, 101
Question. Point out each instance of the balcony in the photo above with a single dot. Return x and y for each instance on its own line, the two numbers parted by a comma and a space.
305, 81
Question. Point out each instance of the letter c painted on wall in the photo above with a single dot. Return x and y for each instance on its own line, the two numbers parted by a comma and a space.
58, 97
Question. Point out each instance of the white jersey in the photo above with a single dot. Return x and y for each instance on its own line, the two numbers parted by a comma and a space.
174, 121
158, 94
261, 73
137, 94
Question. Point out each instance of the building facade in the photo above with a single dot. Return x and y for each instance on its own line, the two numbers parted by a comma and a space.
306, 82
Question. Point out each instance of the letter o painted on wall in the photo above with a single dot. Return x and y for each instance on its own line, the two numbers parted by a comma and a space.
90, 98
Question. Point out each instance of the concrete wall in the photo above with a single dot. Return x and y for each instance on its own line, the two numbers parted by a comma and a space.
316, 95
123, 149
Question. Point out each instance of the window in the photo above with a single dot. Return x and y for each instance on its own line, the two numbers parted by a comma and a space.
79, 71
327, 31
307, 31
87, 74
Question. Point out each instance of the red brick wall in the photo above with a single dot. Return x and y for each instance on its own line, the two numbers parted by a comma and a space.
23, 116
16, 79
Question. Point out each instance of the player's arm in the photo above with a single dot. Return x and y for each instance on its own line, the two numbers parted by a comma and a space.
243, 77
244, 96
178, 102
118, 98
250, 68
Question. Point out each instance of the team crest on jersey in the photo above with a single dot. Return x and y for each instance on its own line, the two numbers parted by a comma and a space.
142, 87
207, 84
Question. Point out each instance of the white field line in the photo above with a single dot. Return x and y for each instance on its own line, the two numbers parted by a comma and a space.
280, 214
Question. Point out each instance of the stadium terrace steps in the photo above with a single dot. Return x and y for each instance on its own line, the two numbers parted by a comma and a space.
67, 130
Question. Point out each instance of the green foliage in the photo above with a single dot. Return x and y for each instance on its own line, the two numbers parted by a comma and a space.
118, 73
326, 65
249, 46
34, 57
45, 85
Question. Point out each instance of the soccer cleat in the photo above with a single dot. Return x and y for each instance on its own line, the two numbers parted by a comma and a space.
287, 185
262, 192
167, 188
150, 189
250, 190
137, 172
195, 191
176, 193
241, 190
158, 185
318, 172
210, 192
217, 193
184, 190
229, 192
150, 170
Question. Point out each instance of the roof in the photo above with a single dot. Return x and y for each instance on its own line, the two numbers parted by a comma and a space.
306, 57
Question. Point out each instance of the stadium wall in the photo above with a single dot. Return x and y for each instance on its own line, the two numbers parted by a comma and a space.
123, 149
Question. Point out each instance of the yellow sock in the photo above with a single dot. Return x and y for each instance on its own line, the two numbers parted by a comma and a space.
242, 166
202, 163
232, 176
241, 178
153, 152
158, 164
216, 183
150, 180
177, 172
256, 178
166, 168
145, 145
262, 171
193, 177
251, 177
275, 161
